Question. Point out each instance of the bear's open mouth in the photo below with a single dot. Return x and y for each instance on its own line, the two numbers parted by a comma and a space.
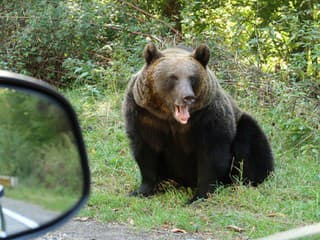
181, 113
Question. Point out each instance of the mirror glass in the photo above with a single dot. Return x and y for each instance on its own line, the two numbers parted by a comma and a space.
40, 168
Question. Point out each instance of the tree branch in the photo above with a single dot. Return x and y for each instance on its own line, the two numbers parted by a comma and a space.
118, 28
150, 15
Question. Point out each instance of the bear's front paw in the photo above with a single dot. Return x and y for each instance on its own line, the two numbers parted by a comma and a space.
198, 197
144, 190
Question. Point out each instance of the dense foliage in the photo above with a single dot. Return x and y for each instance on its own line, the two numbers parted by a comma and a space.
78, 41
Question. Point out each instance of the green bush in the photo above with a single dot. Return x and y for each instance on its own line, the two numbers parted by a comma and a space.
47, 33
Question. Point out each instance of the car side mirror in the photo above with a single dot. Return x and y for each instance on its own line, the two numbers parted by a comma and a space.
44, 173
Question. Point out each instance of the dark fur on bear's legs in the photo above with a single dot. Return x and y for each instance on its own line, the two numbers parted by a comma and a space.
252, 147
212, 170
148, 170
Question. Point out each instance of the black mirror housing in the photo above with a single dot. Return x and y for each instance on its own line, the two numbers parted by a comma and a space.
40, 90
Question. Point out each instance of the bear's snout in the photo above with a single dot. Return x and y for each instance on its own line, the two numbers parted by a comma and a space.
184, 94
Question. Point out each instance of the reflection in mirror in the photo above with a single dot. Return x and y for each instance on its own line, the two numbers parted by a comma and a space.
40, 170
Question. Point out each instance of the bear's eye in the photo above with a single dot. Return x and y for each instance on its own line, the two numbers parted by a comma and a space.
193, 80
169, 82
173, 77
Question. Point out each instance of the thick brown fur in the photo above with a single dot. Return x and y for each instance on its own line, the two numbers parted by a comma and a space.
183, 126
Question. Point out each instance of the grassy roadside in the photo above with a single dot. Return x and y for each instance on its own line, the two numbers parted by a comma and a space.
290, 198
46, 198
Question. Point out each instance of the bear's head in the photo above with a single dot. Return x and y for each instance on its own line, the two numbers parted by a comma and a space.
174, 82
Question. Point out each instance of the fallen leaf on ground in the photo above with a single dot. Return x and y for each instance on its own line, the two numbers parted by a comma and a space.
178, 230
130, 221
81, 219
235, 228
276, 215
166, 226
122, 152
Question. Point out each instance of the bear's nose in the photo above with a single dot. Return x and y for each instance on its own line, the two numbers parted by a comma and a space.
189, 99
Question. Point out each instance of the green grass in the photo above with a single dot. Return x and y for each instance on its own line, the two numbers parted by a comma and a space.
47, 198
288, 199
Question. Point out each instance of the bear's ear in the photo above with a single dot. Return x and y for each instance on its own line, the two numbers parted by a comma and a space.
151, 53
202, 54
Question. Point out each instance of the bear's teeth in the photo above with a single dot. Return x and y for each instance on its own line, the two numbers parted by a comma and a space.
182, 113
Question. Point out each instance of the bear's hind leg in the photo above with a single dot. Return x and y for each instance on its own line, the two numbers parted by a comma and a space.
252, 147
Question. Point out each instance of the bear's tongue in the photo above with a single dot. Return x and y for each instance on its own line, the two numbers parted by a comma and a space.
181, 113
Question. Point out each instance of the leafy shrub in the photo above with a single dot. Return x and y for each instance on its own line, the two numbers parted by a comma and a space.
51, 32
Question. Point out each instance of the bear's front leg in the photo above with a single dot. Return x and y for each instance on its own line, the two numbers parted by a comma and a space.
147, 160
213, 168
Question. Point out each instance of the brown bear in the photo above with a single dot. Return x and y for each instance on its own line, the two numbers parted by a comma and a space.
184, 127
